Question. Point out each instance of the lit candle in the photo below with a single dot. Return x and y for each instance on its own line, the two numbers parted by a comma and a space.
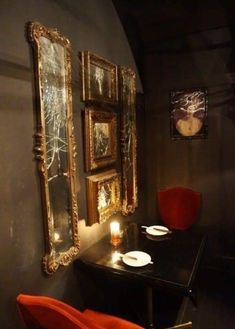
57, 237
115, 233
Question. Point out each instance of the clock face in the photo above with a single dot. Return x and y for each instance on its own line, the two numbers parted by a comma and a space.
189, 126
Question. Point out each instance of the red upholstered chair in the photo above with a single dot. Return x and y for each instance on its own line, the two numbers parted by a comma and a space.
179, 207
41, 312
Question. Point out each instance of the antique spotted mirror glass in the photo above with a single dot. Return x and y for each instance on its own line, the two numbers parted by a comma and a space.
129, 140
55, 146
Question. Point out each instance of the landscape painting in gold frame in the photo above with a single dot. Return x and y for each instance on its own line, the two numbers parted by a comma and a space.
100, 137
103, 196
99, 79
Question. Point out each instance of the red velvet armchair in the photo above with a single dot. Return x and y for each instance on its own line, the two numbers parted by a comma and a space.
40, 312
179, 207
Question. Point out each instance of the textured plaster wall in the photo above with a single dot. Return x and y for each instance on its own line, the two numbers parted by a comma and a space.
92, 25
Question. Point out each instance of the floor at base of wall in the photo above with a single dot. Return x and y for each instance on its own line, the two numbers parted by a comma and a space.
216, 301
215, 304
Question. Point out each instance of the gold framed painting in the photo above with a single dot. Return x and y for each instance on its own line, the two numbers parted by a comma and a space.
100, 137
188, 114
103, 196
99, 79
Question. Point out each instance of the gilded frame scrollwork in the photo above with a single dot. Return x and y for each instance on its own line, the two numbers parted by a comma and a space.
55, 148
100, 137
127, 88
99, 79
103, 196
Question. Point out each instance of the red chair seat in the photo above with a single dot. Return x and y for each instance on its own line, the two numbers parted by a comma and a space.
41, 312
179, 207
110, 321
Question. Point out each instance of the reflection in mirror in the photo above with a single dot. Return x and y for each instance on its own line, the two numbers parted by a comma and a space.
55, 146
129, 140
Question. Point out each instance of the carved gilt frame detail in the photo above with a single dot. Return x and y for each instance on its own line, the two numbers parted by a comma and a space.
127, 89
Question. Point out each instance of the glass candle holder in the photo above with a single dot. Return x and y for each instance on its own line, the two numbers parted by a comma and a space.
115, 234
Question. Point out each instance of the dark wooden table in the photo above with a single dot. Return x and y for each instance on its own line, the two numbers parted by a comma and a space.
175, 257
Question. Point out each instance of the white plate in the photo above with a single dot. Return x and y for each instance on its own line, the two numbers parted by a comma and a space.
153, 230
140, 258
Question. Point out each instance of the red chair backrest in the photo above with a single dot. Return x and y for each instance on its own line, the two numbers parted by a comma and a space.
41, 312
179, 207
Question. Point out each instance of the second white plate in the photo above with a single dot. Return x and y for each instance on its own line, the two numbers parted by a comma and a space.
157, 230
136, 258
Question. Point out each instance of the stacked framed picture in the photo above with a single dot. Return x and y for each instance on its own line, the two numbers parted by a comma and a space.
100, 127
103, 196
100, 95
109, 94
99, 79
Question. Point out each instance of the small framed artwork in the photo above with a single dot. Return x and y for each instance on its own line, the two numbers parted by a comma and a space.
99, 79
100, 137
103, 196
188, 114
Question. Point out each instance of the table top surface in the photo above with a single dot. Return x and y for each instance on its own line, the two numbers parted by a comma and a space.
175, 256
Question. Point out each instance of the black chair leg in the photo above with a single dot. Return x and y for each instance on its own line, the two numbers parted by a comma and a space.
193, 298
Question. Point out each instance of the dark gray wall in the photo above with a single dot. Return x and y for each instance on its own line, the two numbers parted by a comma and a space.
199, 60
90, 25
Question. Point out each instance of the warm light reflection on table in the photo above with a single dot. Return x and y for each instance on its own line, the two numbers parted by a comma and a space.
116, 256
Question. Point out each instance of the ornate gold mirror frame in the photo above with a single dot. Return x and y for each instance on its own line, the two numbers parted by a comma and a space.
128, 140
54, 144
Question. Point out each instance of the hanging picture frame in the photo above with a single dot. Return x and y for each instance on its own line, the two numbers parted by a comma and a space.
100, 137
103, 196
188, 114
99, 79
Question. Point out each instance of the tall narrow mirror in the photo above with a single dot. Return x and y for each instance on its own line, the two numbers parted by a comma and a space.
129, 140
55, 146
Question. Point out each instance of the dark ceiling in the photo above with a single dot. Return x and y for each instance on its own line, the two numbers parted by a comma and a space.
157, 25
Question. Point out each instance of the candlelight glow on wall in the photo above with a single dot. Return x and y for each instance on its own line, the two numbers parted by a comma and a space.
115, 233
